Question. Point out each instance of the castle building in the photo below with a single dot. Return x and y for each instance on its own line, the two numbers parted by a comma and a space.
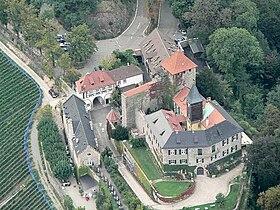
198, 132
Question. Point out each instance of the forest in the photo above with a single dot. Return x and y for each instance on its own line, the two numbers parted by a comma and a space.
242, 42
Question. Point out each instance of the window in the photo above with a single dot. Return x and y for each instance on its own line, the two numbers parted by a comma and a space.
227, 140
223, 143
202, 160
231, 149
215, 156
236, 136
172, 162
183, 161
175, 151
169, 152
235, 147
213, 148
186, 151
212, 158
227, 151
124, 81
88, 154
196, 160
199, 151
172, 152
180, 151
223, 153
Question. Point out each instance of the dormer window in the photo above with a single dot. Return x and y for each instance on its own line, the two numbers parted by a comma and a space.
162, 132
155, 120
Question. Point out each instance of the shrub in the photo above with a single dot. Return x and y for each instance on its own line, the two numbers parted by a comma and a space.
140, 142
120, 133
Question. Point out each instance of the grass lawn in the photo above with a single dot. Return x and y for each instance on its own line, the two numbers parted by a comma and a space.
172, 188
230, 200
147, 162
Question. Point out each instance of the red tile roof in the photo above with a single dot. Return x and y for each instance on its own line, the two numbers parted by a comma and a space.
94, 80
172, 120
214, 118
180, 99
113, 116
178, 63
139, 89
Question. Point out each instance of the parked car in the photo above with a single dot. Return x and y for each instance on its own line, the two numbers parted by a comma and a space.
65, 183
60, 38
183, 32
53, 93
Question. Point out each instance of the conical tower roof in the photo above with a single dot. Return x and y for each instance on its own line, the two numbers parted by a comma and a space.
194, 96
113, 116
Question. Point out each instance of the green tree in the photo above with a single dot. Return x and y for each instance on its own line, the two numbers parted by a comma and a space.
231, 51
252, 104
138, 142
68, 203
64, 61
116, 97
81, 44
245, 14
273, 97
46, 12
270, 13
125, 57
47, 42
62, 170
15, 13
120, 133
110, 62
166, 91
220, 200
180, 7
3, 13
211, 85
264, 156
270, 120
205, 16
71, 76
270, 199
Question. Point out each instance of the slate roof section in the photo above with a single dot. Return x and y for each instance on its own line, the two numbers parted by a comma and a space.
194, 96
202, 138
160, 126
74, 109
195, 45
124, 72
157, 47
178, 63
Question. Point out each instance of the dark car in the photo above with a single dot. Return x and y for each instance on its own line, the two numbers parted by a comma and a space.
53, 93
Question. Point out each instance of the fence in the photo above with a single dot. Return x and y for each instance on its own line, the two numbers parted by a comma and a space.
26, 131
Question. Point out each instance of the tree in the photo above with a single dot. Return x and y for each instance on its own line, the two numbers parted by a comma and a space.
64, 61
166, 91
3, 13
15, 14
81, 44
120, 133
211, 85
220, 199
264, 156
270, 199
231, 51
110, 62
47, 42
205, 17
71, 76
62, 170
252, 103
270, 120
273, 97
245, 14
116, 97
125, 57
180, 7
270, 13
138, 142
68, 203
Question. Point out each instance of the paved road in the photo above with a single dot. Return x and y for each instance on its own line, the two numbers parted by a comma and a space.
168, 24
129, 39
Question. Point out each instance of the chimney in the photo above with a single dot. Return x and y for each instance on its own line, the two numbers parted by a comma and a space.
208, 99
207, 122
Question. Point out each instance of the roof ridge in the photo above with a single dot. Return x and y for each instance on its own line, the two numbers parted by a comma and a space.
157, 30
